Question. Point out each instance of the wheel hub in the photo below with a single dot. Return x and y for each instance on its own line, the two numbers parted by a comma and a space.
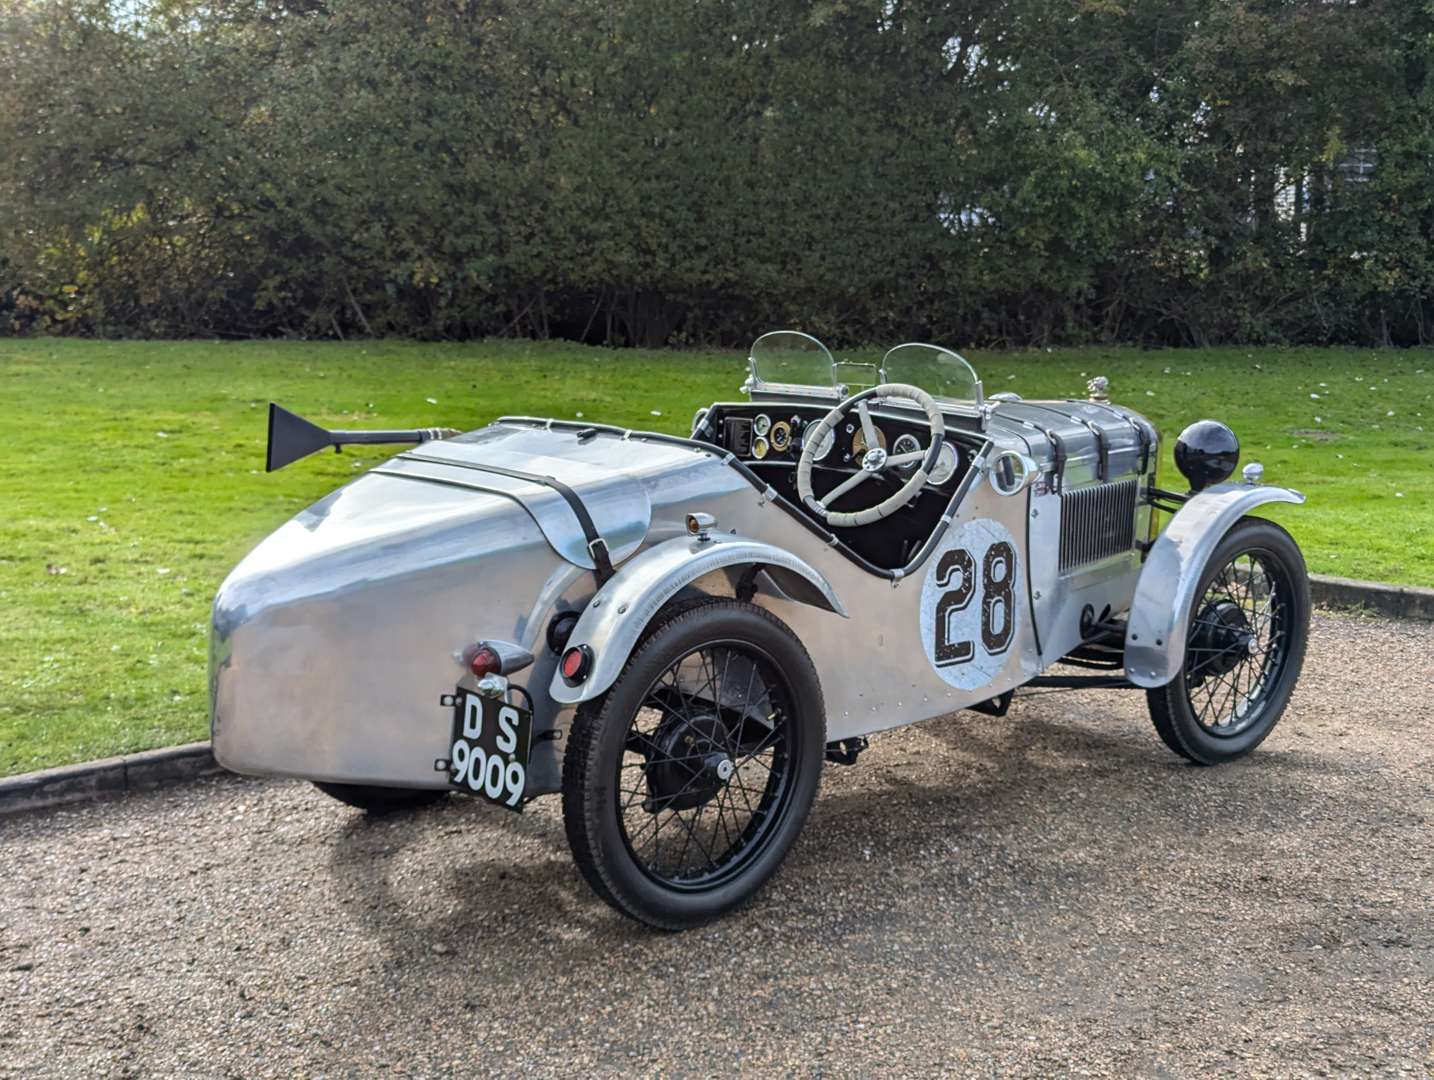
1225, 637
691, 763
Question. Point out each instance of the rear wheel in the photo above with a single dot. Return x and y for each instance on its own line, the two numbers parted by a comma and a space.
686, 783
1244, 648
380, 800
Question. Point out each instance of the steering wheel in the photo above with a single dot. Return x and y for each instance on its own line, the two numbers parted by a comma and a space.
875, 459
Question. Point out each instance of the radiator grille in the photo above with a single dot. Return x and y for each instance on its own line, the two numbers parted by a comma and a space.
1097, 522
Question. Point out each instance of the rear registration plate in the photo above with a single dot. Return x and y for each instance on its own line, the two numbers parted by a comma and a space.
489, 752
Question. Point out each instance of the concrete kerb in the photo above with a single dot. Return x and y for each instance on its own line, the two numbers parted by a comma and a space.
106, 777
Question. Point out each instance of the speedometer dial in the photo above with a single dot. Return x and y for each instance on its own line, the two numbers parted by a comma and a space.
824, 447
946, 463
858, 442
906, 443
781, 436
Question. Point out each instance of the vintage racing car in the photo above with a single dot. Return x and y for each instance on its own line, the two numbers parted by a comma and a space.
675, 633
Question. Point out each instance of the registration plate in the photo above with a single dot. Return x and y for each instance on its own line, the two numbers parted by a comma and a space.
489, 752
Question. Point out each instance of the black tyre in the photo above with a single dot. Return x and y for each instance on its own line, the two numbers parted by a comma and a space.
380, 800
1244, 649
685, 784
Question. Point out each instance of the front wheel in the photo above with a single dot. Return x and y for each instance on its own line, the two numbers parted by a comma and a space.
685, 784
1244, 649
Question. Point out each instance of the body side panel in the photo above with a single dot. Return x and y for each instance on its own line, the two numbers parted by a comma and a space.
329, 665
876, 668
615, 618
333, 640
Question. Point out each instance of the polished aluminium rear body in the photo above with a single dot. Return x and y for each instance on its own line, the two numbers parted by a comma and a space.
334, 640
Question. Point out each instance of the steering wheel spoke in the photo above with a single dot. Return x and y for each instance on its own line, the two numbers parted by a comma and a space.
896, 461
846, 485
875, 460
868, 429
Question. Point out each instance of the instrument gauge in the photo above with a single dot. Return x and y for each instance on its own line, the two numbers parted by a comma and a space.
759, 448
906, 443
781, 436
946, 463
858, 443
824, 447
761, 424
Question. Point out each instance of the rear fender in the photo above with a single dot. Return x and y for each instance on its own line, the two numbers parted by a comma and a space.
1165, 595
614, 619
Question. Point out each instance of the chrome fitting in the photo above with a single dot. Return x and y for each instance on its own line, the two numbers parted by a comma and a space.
1253, 473
493, 686
699, 526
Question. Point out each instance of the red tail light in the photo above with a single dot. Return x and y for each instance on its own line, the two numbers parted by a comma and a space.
575, 664
486, 661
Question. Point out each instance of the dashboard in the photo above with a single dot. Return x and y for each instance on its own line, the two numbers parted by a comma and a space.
769, 437
776, 436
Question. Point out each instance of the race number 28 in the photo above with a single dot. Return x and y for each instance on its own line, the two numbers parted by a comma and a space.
956, 575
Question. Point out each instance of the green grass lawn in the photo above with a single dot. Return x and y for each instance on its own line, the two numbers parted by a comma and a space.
132, 479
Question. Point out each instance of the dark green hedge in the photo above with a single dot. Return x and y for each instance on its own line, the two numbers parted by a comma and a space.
674, 171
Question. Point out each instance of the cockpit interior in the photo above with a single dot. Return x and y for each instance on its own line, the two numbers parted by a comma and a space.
768, 437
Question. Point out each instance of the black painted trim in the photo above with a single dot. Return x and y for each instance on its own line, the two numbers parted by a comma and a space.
767, 490
597, 546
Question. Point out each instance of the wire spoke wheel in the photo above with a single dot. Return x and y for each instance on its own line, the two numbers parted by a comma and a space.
687, 781
1244, 647
706, 767
1237, 645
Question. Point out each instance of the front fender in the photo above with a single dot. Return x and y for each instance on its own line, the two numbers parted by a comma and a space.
1165, 595
614, 619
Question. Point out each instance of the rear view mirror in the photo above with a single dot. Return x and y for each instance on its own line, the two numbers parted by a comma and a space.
1011, 472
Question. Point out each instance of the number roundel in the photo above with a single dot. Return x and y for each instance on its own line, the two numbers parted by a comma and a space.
970, 604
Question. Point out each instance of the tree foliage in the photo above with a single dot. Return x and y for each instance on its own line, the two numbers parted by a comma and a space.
660, 171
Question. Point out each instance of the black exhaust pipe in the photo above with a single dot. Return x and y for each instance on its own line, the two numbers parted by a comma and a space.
291, 437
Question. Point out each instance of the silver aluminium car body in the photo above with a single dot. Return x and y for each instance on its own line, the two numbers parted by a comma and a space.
336, 639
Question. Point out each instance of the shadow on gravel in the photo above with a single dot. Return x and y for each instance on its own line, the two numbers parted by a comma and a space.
1038, 814
1031, 817
507, 899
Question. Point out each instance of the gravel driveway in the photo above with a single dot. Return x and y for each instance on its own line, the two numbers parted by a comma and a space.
1049, 893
